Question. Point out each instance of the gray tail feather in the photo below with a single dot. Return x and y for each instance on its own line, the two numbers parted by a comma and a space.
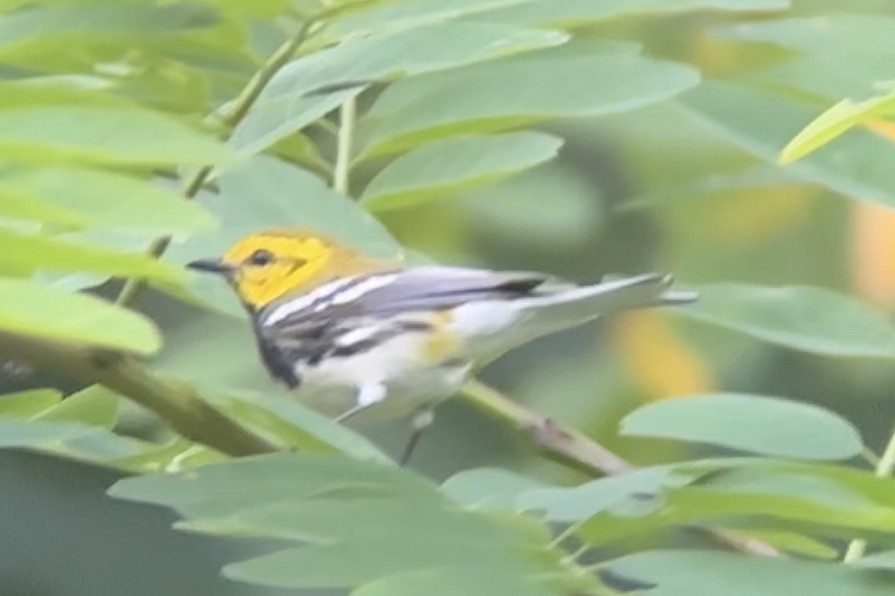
678, 297
613, 294
567, 306
667, 297
616, 293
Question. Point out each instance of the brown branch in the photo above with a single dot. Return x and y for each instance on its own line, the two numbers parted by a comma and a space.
566, 446
180, 406
573, 448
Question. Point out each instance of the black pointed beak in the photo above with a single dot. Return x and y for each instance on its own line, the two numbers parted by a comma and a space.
211, 266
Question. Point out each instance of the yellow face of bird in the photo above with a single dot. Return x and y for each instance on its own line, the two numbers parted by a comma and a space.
269, 265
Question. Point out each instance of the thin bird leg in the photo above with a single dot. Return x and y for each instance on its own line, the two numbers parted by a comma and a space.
367, 395
419, 423
349, 413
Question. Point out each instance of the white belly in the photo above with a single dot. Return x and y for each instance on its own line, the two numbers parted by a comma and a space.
411, 382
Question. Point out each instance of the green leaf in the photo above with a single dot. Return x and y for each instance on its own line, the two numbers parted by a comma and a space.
113, 38
883, 560
452, 165
581, 502
835, 55
761, 122
854, 34
469, 581
301, 150
26, 252
489, 488
273, 119
409, 14
35, 435
94, 406
121, 242
26, 404
834, 122
675, 573
31, 309
350, 529
264, 192
792, 498
794, 492
281, 109
103, 199
765, 425
877, 490
290, 423
583, 12
31, 30
516, 92
75, 428
233, 363
54, 134
831, 500
261, 9
18, 204
175, 456
53, 123
226, 489
408, 52
100, 447
803, 318
344, 510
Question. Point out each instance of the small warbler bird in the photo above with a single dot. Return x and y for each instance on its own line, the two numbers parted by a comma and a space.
367, 338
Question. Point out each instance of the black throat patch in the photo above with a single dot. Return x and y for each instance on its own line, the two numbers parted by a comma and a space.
275, 361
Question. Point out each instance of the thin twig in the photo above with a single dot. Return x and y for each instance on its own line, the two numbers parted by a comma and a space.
231, 116
157, 248
884, 468
575, 449
564, 445
277, 60
345, 149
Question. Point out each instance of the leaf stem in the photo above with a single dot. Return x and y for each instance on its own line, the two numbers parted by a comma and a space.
565, 534
885, 467
231, 116
870, 457
344, 148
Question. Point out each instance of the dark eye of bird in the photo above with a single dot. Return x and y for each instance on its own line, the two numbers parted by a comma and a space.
260, 258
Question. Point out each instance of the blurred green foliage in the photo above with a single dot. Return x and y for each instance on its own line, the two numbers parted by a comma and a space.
580, 138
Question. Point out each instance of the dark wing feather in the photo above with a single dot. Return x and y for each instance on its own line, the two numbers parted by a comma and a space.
436, 288
311, 333
422, 289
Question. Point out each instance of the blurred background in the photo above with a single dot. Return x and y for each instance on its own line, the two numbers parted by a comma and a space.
687, 186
